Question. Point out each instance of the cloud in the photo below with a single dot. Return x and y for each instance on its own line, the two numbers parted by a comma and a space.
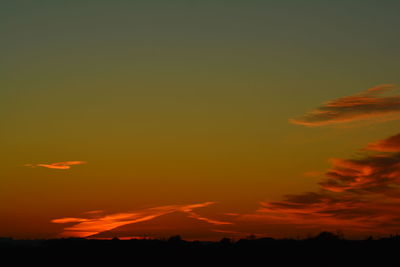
86, 227
227, 232
69, 220
200, 218
359, 195
372, 103
371, 173
356, 214
391, 144
58, 165
309, 209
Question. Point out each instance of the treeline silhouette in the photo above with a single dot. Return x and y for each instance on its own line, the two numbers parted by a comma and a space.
325, 249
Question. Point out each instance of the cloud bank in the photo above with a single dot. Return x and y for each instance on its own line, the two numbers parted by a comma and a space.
372, 103
373, 210
357, 194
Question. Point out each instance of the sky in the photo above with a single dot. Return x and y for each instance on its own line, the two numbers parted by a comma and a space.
207, 119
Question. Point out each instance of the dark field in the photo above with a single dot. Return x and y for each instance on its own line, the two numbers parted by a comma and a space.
323, 250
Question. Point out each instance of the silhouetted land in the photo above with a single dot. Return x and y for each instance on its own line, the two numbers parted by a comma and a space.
326, 249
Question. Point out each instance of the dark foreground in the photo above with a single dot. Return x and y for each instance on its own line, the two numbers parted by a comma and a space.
323, 250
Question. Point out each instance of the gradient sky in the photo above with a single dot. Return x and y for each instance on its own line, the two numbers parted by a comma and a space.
119, 111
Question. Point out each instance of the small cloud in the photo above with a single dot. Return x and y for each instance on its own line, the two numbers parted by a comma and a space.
371, 103
211, 221
69, 220
58, 165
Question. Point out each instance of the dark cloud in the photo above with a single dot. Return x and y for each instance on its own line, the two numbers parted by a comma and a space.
359, 195
391, 144
372, 103
371, 173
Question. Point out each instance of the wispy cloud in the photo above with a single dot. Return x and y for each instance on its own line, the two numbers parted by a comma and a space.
85, 227
208, 220
357, 194
391, 144
57, 165
372, 173
69, 220
372, 103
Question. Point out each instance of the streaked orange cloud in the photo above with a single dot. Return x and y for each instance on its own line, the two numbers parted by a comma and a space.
227, 232
58, 165
371, 103
211, 221
372, 173
358, 195
69, 220
391, 144
86, 227
355, 214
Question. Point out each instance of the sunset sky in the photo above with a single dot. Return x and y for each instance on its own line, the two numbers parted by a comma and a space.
207, 119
